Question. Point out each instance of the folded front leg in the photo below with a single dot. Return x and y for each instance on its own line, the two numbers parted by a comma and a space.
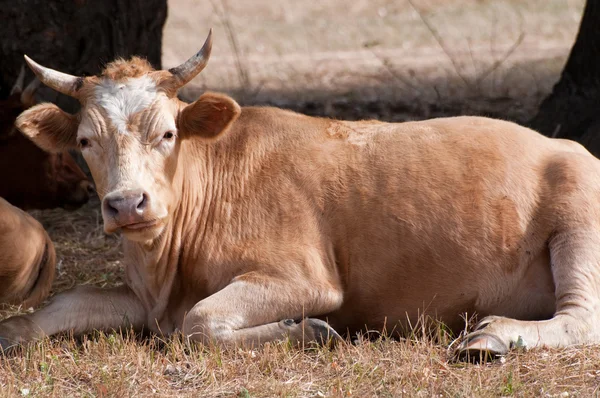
253, 311
575, 256
79, 310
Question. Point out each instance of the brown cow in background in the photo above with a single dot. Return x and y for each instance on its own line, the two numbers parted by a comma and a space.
27, 258
31, 178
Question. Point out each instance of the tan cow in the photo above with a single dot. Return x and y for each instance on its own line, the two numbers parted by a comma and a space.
27, 259
238, 221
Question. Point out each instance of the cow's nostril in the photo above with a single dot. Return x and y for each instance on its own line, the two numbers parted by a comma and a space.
142, 203
111, 208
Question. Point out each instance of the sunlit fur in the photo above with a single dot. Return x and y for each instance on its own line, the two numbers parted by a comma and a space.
121, 69
264, 214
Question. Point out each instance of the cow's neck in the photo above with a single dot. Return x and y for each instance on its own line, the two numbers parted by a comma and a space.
207, 180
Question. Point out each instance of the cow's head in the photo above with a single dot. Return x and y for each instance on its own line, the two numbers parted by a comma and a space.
130, 130
31, 178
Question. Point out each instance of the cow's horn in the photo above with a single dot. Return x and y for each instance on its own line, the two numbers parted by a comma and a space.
190, 68
61, 82
28, 94
18, 87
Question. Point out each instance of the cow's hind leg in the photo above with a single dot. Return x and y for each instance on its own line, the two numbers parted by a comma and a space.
252, 311
575, 263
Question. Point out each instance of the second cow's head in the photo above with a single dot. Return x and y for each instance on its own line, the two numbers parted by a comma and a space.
129, 130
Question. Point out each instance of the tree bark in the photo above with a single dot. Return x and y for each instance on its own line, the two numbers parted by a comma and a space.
76, 37
572, 110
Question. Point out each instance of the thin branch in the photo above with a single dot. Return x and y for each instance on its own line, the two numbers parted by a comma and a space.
243, 75
501, 60
392, 72
441, 43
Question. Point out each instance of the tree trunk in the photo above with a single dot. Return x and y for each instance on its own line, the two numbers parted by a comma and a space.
76, 36
572, 110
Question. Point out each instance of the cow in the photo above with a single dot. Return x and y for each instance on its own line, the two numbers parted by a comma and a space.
31, 178
243, 226
27, 258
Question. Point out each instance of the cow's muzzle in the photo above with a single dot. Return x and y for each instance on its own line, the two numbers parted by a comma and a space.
127, 208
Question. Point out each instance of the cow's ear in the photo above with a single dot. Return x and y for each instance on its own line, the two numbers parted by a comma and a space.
208, 117
49, 127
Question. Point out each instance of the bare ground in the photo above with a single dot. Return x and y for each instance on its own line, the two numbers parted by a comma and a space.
361, 59
390, 59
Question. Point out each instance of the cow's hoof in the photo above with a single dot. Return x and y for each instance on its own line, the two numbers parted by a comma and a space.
485, 322
7, 345
314, 331
480, 347
321, 332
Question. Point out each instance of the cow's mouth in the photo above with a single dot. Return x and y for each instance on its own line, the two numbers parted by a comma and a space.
138, 226
77, 198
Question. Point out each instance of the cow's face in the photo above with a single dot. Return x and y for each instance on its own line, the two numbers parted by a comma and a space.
128, 135
130, 130
31, 178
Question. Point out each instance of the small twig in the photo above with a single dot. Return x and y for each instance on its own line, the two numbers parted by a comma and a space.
392, 72
556, 131
243, 75
501, 60
493, 47
471, 56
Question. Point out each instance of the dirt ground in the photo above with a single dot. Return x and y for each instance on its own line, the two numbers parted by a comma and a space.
386, 59
390, 60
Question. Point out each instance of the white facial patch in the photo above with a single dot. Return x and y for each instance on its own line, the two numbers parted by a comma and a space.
121, 100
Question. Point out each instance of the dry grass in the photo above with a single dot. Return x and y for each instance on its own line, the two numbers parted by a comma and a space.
361, 59
122, 365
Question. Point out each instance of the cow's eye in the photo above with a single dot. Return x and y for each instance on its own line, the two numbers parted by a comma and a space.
84, 143
169, 135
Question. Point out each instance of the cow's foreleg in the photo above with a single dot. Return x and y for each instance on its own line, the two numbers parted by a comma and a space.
575, 262
257, 311
79, 310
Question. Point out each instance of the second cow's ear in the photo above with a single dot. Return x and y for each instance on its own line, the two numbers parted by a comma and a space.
208, 117
49, 127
